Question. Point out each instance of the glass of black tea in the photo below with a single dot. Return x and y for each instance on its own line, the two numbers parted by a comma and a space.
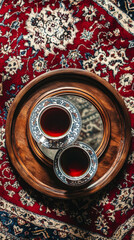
55, 123
76, 164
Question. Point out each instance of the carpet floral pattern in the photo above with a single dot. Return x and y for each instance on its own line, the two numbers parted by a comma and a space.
39, 36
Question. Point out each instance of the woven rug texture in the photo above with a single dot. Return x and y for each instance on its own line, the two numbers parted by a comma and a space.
40, 36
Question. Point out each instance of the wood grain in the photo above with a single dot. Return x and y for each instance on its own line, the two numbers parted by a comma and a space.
29, 161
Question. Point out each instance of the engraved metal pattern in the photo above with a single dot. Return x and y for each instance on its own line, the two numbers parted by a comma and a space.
87, 176
50, 142
92, 129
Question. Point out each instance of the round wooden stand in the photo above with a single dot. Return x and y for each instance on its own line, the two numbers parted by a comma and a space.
28, 159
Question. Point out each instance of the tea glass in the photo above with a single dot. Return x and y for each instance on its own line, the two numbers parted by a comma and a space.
75, 165
54, 123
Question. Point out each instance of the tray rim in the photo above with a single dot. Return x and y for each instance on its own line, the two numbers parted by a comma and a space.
86, 73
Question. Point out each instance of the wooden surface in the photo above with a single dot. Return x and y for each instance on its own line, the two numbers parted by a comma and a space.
29, 161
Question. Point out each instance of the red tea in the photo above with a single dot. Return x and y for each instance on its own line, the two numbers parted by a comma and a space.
74, 161
55, 121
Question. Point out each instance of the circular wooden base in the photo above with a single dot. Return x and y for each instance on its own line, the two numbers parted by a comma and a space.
33, 166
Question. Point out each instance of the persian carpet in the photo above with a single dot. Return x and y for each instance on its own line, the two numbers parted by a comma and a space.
39, 36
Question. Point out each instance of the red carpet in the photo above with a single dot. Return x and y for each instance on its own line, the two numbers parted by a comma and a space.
39, 36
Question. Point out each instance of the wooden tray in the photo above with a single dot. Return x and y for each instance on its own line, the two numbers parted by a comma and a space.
28, 159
